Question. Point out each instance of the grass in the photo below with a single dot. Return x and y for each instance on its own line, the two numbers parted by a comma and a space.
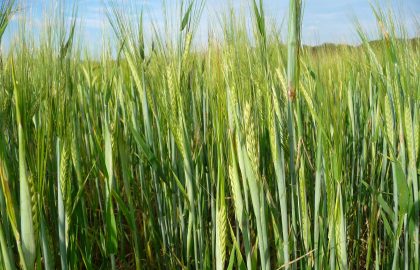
251, 154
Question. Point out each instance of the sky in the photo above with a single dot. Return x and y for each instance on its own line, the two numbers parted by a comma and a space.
324, 21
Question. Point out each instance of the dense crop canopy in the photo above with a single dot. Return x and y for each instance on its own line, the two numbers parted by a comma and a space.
250, 154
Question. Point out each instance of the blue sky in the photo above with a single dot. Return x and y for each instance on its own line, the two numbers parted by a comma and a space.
324, 20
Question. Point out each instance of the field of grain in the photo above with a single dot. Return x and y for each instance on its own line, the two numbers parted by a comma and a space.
250, 154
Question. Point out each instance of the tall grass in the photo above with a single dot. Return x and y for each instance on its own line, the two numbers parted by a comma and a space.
250, 154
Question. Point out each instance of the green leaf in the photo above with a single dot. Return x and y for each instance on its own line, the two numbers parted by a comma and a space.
124, 209
404, 193
387, 225
240, 259
26, 219
186, 17
8, 264
232, 259
413, 219
111, 233
385, 206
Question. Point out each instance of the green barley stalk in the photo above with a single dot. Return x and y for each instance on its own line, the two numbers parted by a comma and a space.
240, 210
26, 224
61, 157
318, 177
293, 46
249, 153
279, 166
5, 252
111, 229
221, 222
412, 175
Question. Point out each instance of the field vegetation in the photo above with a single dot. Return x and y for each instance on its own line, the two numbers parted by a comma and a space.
250, 154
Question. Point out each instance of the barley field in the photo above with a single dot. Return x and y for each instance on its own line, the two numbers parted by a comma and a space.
253, 153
